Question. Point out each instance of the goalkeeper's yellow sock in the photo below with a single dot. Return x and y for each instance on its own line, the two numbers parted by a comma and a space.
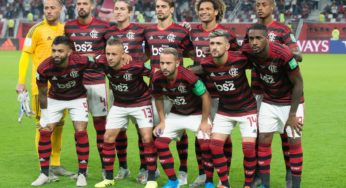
56, 140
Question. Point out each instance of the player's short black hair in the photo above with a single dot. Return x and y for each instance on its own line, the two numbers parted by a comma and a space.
129, 5
259, 26
220, 33
62, 40
218, 5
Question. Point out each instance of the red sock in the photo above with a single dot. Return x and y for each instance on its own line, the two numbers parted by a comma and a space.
100, 128
82, 147
296, 158
207, 159
108, 159
141, 153
44, 150
285, 149
264, 157
228, 151
219, 160
121, 147
198, 152
150, 157
166, 159
250, 161
182, 147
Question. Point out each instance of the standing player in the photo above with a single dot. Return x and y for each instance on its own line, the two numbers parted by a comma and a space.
87, 35
132, 98
210, 13
282, 34
280, 110
38, 45
65, 73
226, 69
132, 36
191, 108
164, 34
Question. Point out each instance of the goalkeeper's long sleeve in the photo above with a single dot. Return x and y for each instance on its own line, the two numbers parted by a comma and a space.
23, 67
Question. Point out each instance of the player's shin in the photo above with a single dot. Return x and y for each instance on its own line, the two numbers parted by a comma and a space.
207, 159
250, 161
198, 152
150, 158
82, 147
108, 159
100, 128
182, 147
121, 147
44, 150
166, 158
296, 160
264, 159
219, 160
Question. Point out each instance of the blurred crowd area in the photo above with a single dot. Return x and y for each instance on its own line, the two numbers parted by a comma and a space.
144, 10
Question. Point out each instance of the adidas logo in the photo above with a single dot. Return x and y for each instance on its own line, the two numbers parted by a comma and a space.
151, 38
54, 78
42, 159
212, 74
196, 39
73, 34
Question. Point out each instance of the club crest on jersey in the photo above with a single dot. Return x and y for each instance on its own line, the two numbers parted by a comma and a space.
130, 35
127, 76
182, 88
74, 74
234, 72
273, 68
272, 36
171, 37
94, 34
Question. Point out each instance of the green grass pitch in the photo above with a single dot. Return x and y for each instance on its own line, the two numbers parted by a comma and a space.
324, 139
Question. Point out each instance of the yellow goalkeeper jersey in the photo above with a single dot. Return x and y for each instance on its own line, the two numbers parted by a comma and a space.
38, 43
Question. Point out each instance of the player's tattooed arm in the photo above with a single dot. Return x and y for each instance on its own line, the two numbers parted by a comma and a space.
42, 96
297, 92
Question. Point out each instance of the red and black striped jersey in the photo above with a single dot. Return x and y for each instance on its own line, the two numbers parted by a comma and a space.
174, 36
235, 95
200, 40
88, 39
133, 40
127, 84
179, 91
274, 74
66, 83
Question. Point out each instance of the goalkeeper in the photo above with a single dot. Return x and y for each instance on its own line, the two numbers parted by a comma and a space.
37, 46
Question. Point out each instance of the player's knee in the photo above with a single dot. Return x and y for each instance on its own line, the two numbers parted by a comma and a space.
109, 137
294, 140
265, 138
147, 138
161, 143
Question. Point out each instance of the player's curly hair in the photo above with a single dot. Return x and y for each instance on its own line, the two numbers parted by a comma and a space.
219, 5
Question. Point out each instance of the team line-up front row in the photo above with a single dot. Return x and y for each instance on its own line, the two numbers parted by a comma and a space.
180, 102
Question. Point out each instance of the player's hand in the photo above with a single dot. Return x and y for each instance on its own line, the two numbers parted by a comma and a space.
20, 88
205, 127
187, 25
127, 59
296, 126
158, 130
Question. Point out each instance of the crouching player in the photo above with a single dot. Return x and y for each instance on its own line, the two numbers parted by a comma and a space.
132, 98
191, 107
65, 73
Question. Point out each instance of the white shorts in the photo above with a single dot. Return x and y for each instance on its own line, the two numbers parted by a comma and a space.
259, 99
118, 117
97, 99
224, 124
175, 125
78, 109
214, 107
167, 105
272, 118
